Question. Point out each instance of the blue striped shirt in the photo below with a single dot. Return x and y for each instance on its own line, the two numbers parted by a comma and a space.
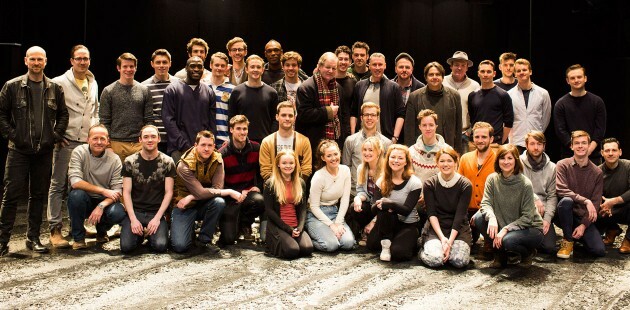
222, 93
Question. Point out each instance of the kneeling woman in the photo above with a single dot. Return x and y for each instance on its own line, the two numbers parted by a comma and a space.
446, 236
508, 215
329, 198
398, 189
285, 207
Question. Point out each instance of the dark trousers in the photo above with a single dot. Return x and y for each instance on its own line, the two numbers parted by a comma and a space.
81, 205
567, 221
237, 215
474, 230
358, 220
282, 244
522, 241
130, 241
404, 236
25, 172
620, 215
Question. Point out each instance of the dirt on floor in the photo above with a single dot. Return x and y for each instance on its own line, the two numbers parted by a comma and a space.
241, 276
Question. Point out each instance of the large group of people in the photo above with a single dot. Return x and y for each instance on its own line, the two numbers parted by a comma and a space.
341, 159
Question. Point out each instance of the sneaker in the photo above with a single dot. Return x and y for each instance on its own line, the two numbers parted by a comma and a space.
566, 249
78, 245
386, 255
610, 236
57, 240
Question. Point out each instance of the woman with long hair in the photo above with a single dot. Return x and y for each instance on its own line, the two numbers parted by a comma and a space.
446, 237
508, 214
398, 189
360, 217
285, 207
329, 199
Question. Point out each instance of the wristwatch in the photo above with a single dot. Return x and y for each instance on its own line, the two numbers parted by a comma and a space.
101, 206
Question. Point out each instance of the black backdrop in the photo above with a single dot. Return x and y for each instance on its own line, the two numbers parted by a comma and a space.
552, 34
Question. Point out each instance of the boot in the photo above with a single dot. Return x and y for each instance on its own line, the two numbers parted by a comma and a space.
625, 246
610, 236
57, 240
566, 249
386, 255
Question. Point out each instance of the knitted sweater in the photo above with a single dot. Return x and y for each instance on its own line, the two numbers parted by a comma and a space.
511, 202
125, 109
423, 161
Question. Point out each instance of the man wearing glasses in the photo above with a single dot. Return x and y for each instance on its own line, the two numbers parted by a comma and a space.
81, 94
237, 49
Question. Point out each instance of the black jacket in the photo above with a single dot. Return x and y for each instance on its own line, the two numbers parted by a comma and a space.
391, 103
272, 208
16, 115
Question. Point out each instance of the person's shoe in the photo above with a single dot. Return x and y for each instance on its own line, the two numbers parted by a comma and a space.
90, 230
4, 249
500, 260
213, 249
57, 240
566, 249
386, 254
78, 245
36, 246
609, 239
488, 251
247, 234
623, 249
102, 238
117, 232
529, 259
363, 241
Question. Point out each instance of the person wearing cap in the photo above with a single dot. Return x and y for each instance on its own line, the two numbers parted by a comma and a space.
384, 92
404, 75
463, 85
531, 104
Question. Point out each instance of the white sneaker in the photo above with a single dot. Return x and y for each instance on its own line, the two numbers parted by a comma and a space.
386, 255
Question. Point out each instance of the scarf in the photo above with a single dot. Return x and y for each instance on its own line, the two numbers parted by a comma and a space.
328, 94
537, 166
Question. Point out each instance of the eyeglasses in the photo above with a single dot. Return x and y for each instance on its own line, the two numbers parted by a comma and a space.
372, 115
237, 50
81, 59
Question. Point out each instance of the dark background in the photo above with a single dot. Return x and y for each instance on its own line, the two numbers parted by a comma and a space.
551, 34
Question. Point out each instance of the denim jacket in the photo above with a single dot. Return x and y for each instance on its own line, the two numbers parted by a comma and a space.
16, 119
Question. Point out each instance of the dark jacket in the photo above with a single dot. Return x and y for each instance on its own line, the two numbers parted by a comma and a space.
415, 83
272, 208
391, 103
312, 116
16, 115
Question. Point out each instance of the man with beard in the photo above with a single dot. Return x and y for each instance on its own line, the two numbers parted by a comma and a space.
347, 81
287, 86
476, 166
148, 178
273, 68
384, 92
542, 172
360, 54
187, 108
615, 209
242, 174
404, 76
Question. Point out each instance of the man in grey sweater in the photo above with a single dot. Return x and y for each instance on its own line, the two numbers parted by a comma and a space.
616, 207
542, 172
126, 106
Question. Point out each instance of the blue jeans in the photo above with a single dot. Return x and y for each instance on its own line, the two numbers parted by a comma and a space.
81, 205
129, 241
323, 237
568, 221
522, 241
183, 223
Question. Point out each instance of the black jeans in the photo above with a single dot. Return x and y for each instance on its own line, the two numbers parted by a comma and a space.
358, 220
404, 236
620, 215
25, 172
237, 215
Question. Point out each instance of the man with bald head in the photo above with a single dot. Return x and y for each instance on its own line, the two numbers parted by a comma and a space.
273, 67
187, 108
33, 117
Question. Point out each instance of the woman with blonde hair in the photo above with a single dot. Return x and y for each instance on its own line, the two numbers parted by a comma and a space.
446, 237
398, 189
329, 199
285, 207
360, 217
